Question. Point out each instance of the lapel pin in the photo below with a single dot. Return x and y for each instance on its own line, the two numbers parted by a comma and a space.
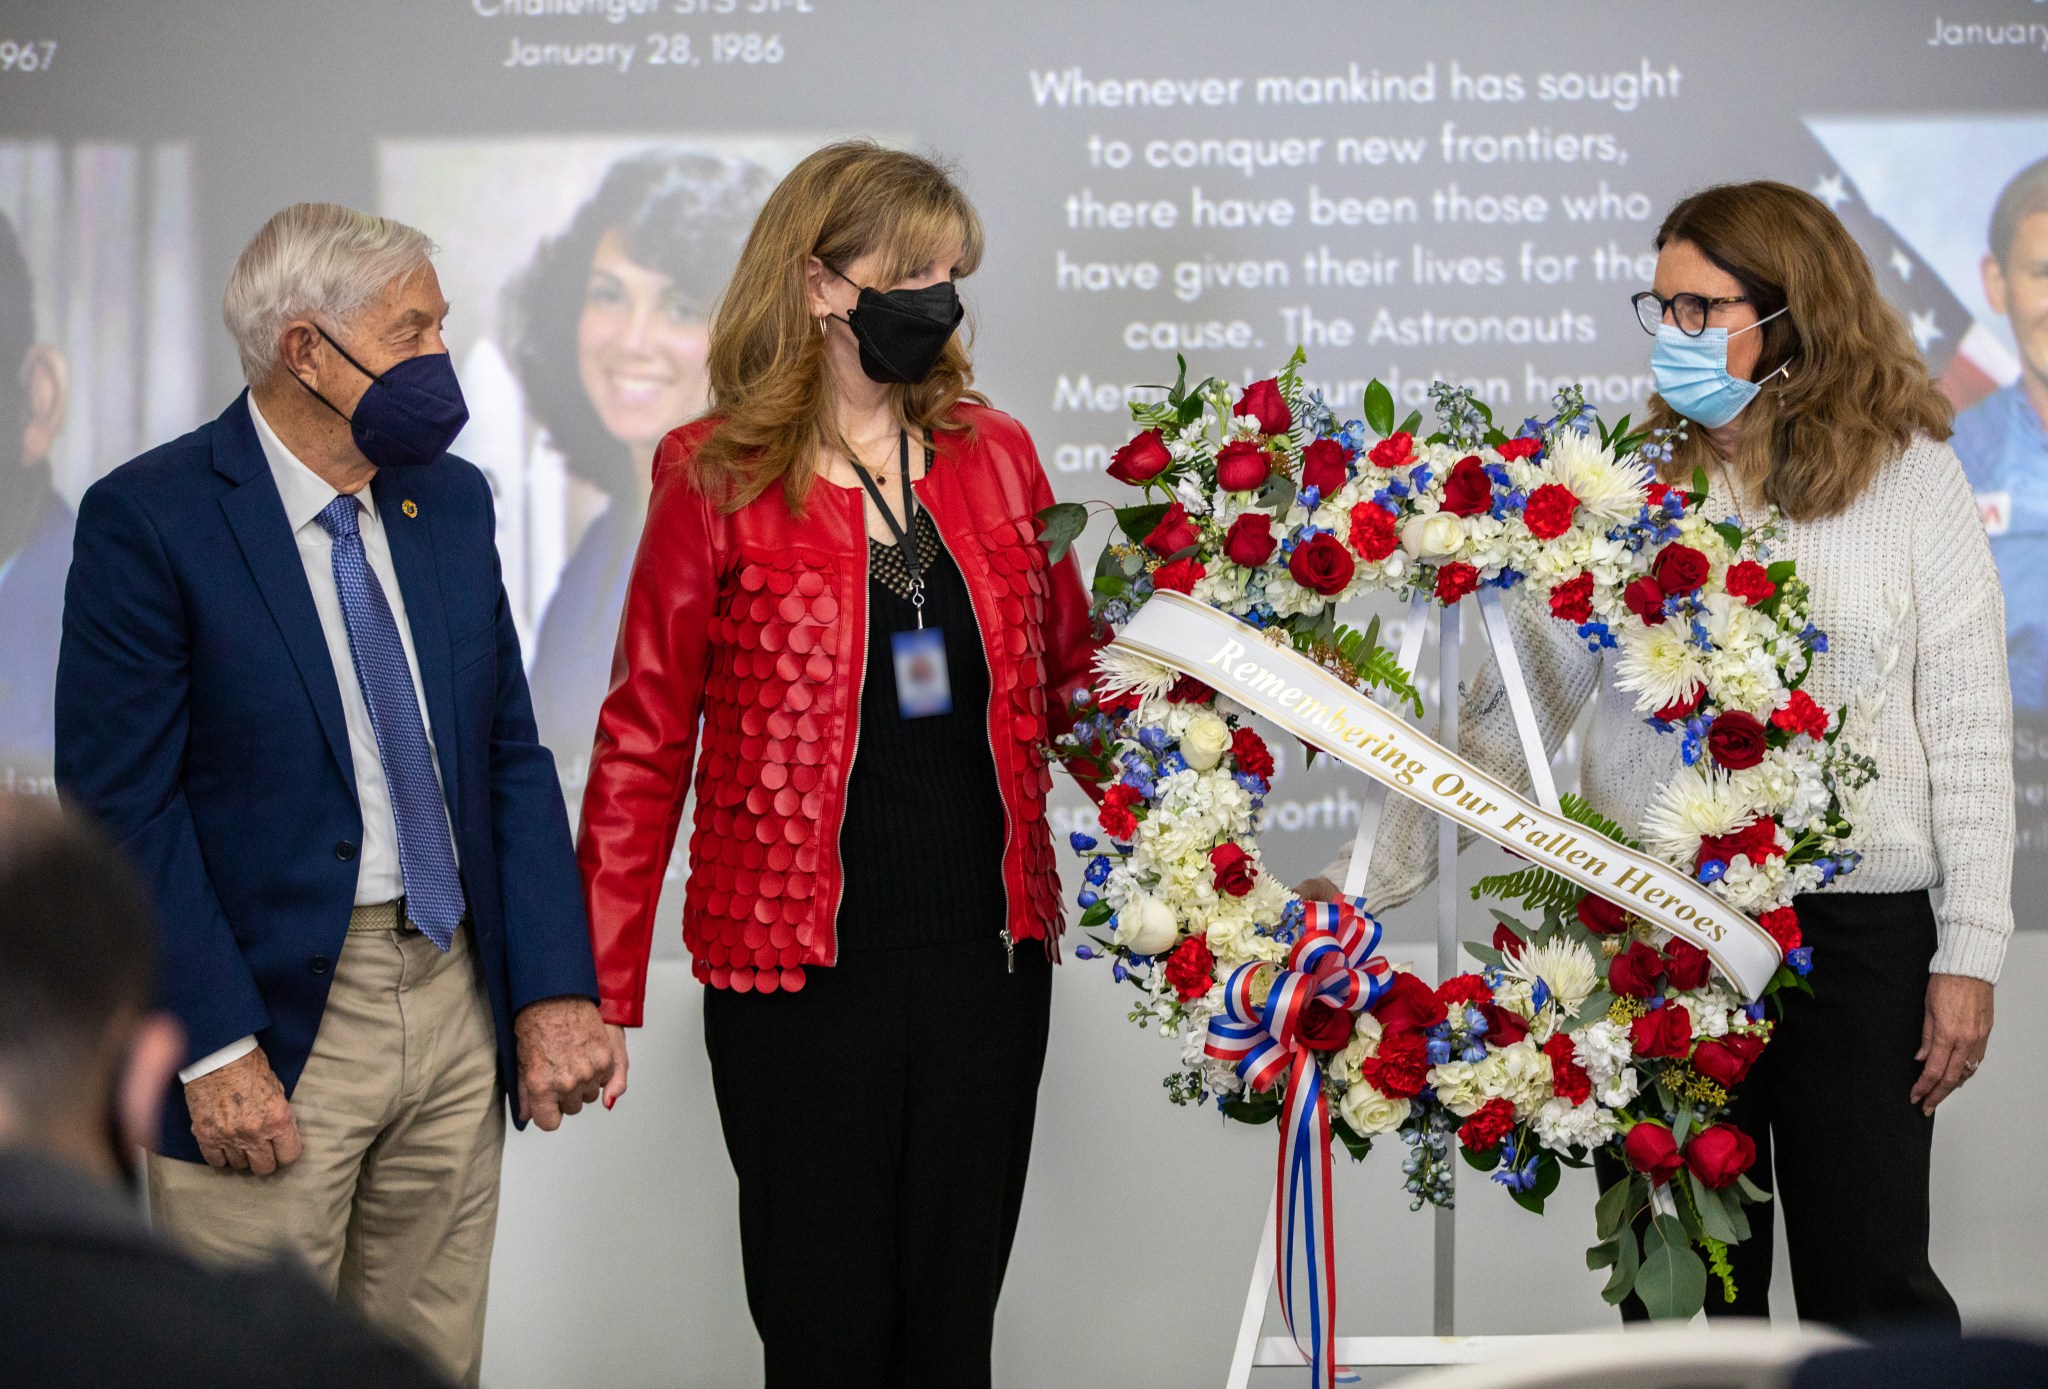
408, 508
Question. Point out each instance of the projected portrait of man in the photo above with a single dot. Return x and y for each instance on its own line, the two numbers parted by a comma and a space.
610, 325
2003, 439
35, 527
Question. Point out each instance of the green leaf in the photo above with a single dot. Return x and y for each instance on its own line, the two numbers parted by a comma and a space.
1729, 532
1483, 1162
1258, 1110
1699, 480
1278, 493
1715, 1212
1673, 1280
1605, 1254
1623, 1280
1494, 438
1547, 1176
1180, 383
1137, 521
1681, 1124
1097, 914
1411, 424
1109, 585
1751, 1190
1379, 408
1611, 1210
1062, 524
1485, 954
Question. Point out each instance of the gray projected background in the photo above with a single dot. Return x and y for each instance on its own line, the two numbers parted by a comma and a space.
1464, 189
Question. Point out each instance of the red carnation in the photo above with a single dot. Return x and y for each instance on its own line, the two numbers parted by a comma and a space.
1568, 1079
1408, 1005
1187, 690
1651, 1150
1645, 599
1686, 965
1736, 740
1115, 813
1783, 924
1242, 465
1528, 446
1503, 1027
1249, 541
1726, 1060
1249, 751
1679, 569
1489, 1124
1321, 564
1373, 532
1572, 600
1395, 451
1718, 1154
1601, 916
1234, 869
1325, 466
1191, 968
1755, 841
1468, 491
1178, 576
1141, 460
1550, 510
1463, 988
1801, 715
1750, 582
1401, 1067
1665, 1031
1324, 1027
1634, 971
1455, 580
1683, 706
1263, 402
1173, 534
1655, 493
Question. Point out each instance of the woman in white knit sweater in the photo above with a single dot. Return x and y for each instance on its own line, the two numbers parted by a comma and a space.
1836, 425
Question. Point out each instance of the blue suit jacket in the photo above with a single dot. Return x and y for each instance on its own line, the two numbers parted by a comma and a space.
198, 719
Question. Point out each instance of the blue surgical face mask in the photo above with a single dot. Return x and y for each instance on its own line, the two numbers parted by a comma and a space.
409, 415
1692, 374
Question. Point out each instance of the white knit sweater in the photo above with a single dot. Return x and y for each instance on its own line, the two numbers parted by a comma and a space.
1903, 584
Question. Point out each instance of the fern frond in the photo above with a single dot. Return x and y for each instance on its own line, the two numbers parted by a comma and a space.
1535, 888
1576, 810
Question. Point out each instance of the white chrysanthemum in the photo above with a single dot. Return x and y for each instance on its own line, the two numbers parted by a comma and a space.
1695, 803
1126, 672
1658, 664
1563, 964
1609, 490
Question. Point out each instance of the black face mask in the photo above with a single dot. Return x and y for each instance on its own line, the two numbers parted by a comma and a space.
903, 331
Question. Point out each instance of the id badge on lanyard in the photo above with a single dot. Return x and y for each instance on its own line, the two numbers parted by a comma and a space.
924, 686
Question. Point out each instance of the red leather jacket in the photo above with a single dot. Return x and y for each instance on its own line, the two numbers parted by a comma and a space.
757, 623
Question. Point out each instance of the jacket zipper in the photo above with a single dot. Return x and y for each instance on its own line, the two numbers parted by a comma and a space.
860, 688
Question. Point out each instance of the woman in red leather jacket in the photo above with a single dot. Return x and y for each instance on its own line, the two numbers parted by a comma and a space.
841, 579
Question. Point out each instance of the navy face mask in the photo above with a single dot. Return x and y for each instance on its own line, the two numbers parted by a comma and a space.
902, 331
409, 415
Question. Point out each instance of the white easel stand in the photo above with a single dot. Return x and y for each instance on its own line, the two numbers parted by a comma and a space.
1254, 1349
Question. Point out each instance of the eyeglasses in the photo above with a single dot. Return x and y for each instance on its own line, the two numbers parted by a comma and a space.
1688, 311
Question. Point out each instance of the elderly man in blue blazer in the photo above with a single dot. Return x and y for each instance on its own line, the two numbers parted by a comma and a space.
290, 686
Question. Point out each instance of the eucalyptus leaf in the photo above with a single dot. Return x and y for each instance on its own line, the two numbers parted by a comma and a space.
1061, 525
1751, 1189
1611, 1209
1672, 1281
1485, 954
1623, 1280
1713, 1209
1605, 1254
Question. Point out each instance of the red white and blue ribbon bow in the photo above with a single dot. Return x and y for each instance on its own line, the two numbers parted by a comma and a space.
1332, 963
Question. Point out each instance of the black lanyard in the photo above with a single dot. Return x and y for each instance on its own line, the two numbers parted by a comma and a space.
906, 534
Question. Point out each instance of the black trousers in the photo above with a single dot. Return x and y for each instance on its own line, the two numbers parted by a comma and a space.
879, 1121
1837, 1138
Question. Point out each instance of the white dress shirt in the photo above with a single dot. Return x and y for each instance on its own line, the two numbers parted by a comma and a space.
305, 496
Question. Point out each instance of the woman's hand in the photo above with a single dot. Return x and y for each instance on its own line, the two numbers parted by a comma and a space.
1316, 890
616, 1086
1952, 1036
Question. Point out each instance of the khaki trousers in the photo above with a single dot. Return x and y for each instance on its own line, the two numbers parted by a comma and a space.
394, 1205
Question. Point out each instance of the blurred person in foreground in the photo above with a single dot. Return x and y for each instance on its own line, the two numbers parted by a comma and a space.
291, 688
88, 1296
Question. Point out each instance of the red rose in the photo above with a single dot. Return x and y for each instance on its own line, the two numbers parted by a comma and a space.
1468, 491
1242, 466
1601, 916
1408, 1005
1325, 466
1115, 813
1550, 510
1249, 751
1503, 1028
1191, 968
1234, 869
1373, 533
1394, 451
1568, 1079
1249, 541
1401, 1067
1686, 965
1141, 460
1455, 580
1188, 690
1683, 706
1651, 1151
1463, 988
1801, 715
1325, 1028
1525, 447
1173, 534
1572, 600
1718, 1154
1322, 565
1750, 582
1736, 740
1489, 1124
1783, 924
1506, 941
1679, 569
1634, 971
1726, 1060
1643, 598
1263, 402
1178, 576
1665, 1031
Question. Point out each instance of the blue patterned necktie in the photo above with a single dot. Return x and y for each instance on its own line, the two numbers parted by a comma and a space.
426, 855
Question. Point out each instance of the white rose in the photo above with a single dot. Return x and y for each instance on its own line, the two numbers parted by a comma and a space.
1369, 1112
1203, 742
1433, 536
1146, 926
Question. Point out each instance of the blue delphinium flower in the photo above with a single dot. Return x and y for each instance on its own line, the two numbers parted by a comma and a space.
1816, 637
1172, 762
1597, 635
1419, 479
1153, 739
1439, 1049
1084, 952
1310, 497
1082, 842
1713, 870
1098, 870
1086, 898
1801, 960
1474, 1052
